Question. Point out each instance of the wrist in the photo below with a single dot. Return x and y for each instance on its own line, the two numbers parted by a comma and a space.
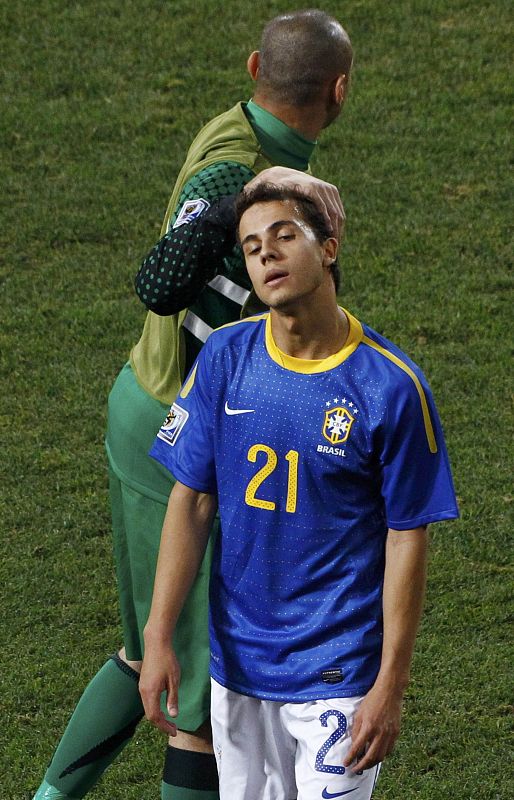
157, 636
222, 214
392, 682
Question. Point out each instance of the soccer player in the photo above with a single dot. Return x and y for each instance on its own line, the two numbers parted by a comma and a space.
301, 72
320, 442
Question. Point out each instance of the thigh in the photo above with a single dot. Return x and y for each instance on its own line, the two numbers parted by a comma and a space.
254, 753
323, 732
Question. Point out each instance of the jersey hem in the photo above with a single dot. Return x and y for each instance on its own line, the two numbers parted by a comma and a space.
300, 697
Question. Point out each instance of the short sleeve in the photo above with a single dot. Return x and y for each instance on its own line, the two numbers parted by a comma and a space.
185, 444
417, 484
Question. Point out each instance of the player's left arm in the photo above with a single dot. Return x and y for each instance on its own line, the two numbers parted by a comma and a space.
184, 538
377, 722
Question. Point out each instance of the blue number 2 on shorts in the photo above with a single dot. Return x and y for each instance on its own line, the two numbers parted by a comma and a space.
339, 732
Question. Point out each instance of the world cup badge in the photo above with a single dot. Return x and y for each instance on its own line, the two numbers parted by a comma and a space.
190, 211
173, 424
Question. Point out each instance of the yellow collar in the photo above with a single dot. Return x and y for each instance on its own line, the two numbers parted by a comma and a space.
307, 366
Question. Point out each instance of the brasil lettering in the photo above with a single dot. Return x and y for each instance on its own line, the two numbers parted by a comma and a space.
333, 451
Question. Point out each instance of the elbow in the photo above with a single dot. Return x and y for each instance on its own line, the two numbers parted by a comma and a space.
160, 303
162, 308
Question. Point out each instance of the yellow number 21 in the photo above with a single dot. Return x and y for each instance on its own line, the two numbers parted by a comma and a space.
265, 471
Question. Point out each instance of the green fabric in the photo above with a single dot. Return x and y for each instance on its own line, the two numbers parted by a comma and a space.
179, 793
101, 725
282, 144
133, 420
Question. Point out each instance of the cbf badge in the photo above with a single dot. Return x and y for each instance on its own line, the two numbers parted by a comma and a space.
173, 424
337, 425
190, 211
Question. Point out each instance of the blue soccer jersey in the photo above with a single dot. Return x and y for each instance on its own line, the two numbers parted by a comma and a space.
312, 462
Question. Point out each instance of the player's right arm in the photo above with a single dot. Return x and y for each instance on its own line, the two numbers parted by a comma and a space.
183, 542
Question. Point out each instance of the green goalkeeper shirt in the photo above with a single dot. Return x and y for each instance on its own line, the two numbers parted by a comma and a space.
225, 155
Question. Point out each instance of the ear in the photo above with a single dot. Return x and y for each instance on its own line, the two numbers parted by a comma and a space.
252, 65
330, 248
341, 89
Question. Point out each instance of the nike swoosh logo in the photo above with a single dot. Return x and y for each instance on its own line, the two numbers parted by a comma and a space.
231, 411
327, 795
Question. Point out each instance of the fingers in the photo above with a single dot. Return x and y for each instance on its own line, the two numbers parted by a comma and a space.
172, 703
325, 195
338, 217
332, 208
369, 748
154, 714
163, 724
375, 754
358, 743
151, 689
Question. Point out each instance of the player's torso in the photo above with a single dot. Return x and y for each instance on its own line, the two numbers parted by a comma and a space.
302, 516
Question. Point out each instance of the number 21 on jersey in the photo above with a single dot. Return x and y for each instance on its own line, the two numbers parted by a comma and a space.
260, 477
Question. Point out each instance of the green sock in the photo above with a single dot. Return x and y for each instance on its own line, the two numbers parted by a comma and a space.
47, 792
101, 725
179, 793
189, 776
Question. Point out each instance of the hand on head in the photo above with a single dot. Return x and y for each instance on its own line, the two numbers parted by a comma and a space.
325, 195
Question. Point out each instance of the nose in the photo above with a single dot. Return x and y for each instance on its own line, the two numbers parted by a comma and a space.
268, 253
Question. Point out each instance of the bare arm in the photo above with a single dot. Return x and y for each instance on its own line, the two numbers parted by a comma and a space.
184, 538
377, 722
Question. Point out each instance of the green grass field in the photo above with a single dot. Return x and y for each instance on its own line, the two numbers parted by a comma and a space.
98, 104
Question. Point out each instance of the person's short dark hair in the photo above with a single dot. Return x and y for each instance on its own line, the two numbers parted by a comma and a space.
270, 192
300, 52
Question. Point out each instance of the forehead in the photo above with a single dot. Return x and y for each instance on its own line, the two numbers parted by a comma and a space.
260, 216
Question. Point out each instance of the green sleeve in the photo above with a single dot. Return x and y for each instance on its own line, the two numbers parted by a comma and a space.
222, 178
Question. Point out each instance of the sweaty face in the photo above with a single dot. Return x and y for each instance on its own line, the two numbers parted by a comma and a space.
284, 259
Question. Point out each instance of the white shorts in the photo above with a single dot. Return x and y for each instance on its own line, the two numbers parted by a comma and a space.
266, 750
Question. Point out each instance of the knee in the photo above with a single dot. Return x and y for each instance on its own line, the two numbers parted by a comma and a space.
199, 741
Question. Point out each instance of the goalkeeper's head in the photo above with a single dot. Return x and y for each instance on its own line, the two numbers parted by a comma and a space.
303, 64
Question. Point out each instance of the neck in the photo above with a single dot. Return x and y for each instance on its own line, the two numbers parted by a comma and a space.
308, 332
308, 120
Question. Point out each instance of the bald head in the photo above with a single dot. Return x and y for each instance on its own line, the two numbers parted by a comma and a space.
301, 53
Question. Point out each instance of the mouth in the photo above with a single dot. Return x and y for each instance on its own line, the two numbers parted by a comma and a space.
274, 276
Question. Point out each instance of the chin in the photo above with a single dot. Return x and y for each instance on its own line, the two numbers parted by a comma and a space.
283, 303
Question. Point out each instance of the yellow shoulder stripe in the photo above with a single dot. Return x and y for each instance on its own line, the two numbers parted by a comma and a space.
256, 318
189, 383
429, 430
